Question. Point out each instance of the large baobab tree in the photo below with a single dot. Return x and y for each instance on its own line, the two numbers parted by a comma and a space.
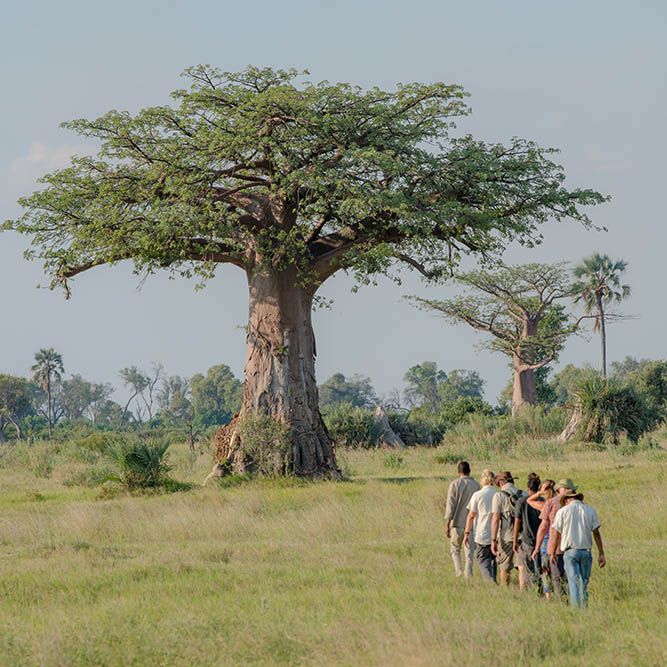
291, 182
517, 306
47, 369
598, 283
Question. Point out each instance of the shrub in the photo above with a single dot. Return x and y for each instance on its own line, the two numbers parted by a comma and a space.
95, 442
457, 411
424, 427
140, 463
448, 457
484, 435
350, 426
610, 409
265, 443
41, 459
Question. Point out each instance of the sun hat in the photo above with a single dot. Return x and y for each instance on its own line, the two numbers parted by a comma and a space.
566, 483
570, 494
504, 478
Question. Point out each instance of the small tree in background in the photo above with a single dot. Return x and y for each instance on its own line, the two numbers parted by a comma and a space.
136, 381
216, 396
517, 306
80, 398
621, 370
598, 284
356, 390
428, 387
16, 397
650, 380
48, 369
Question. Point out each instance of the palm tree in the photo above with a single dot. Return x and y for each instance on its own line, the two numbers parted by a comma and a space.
597, 285
48, 367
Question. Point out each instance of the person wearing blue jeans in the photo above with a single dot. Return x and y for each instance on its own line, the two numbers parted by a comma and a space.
578, 563
576, 526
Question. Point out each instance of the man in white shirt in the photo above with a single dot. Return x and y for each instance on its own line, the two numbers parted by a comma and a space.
575, 526
458, 497
479, 514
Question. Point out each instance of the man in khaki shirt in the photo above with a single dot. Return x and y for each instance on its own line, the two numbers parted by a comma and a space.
456, 512
502, 526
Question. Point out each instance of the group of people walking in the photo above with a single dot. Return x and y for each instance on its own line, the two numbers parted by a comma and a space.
545, 531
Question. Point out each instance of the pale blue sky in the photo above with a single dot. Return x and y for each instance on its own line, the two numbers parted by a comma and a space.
587, 77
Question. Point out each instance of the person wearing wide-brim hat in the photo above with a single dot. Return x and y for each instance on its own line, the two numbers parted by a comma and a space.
547, 516
575, 526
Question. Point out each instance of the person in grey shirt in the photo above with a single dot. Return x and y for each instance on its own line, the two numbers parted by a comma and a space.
458, 496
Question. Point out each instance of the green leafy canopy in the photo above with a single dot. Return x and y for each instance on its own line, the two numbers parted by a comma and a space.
517, 305
265, 170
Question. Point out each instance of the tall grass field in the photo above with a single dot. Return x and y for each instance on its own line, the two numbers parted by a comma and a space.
292, 572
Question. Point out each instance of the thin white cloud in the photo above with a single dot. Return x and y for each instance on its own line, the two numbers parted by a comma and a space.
20, 178
40, 159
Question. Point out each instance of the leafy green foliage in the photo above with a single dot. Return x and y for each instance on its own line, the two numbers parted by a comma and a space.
610, 410
41, 459
357, 391
421, 426
258, 169
140, 463
79, 397
620, 370
432, 388
517, 305
457, 411
265, 444
174, 400
484, 436
216, 396
352, 426
598, 282
650, 380
16, 402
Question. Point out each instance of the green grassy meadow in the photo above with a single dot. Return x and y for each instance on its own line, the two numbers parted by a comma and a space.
354, 572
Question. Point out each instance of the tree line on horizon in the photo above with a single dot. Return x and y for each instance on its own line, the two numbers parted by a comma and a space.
48, 405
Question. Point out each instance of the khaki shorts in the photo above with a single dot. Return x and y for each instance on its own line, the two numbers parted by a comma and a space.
524, 557
505, 557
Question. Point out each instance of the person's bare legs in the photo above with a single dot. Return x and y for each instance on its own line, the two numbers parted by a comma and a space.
523, 578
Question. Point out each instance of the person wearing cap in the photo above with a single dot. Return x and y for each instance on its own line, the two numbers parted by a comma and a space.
479, 515
502, 524
547, 516
575, 527
456, 512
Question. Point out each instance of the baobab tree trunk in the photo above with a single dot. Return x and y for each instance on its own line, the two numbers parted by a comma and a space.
525, 389
279, 376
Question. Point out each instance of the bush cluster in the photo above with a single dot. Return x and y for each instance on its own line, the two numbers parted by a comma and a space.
265, 444
139, 462
356, 427
610, 409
